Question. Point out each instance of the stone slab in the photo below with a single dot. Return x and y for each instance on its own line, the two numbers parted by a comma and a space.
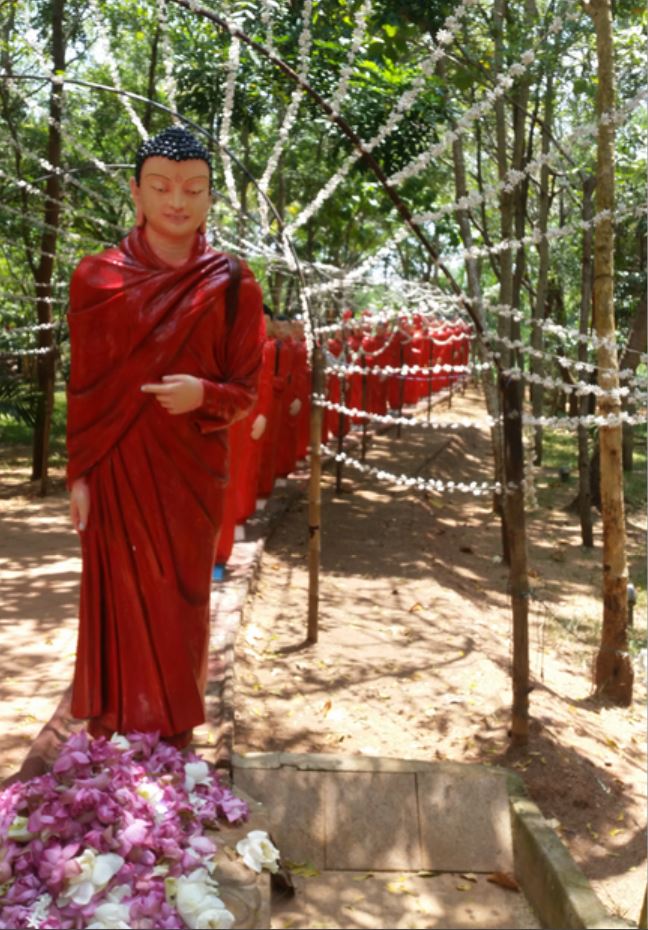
465, 819
400, 900
294, 802
372, 821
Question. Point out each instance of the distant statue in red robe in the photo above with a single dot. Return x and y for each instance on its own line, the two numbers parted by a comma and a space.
158, 374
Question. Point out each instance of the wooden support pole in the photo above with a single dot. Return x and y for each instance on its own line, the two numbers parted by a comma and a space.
511, 393
315, 496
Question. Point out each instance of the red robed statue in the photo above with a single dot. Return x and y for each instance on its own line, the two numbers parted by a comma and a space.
158, 374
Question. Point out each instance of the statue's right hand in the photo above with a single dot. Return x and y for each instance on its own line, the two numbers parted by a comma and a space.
79, 504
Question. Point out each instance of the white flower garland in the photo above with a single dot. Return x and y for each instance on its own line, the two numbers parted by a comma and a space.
360, 23
420, 484
567, 423
445, 37
502, 85
266, 19
304, 46
114, 70
233, 63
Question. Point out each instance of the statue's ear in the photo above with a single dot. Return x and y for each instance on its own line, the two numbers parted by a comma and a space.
140, 219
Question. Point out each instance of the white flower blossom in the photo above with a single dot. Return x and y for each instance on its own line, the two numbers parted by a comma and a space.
258, 852
196, 773
198, 904
119, 740
110, 915
39, 911
153, 794
96, 872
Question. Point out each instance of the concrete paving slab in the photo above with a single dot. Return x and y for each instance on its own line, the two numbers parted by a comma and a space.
294, 802
372, 821
400, 900
471, 803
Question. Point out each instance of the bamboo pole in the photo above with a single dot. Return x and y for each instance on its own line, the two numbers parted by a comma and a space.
315, 496
614, 673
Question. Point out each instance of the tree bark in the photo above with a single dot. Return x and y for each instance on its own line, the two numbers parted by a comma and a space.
614, 672
537, 338
587, 270
150, 88
474, 291
46, 367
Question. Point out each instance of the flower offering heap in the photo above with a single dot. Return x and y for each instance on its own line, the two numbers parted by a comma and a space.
115, 836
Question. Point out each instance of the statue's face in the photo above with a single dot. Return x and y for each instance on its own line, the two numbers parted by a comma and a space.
173, 196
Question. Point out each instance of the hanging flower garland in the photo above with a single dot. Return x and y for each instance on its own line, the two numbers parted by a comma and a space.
360, 24
477, 488
444, 37
233, 63
304, 47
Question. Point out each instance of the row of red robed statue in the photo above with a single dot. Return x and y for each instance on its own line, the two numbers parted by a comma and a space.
274, 436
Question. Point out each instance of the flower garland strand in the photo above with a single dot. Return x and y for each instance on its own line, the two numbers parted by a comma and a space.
304, 47
360, 24
233, 64
403, 105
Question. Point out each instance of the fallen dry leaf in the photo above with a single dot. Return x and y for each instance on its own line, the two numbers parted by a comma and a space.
399, 887
463, 886
303, 869
504, 880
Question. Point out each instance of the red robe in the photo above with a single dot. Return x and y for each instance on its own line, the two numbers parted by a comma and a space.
287, 441
270, 438
155, 480
302, 391
250, 467
376, 391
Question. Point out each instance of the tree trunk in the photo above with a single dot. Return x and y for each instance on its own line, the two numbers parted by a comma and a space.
46, 367
474, 291
614, 672
150, 88
537, 337
587, 270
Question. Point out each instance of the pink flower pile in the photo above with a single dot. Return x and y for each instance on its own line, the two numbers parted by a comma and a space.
136, 813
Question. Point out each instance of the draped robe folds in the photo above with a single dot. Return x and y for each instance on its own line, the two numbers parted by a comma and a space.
155, 480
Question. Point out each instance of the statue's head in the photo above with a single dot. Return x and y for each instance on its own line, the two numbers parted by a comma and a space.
172, 184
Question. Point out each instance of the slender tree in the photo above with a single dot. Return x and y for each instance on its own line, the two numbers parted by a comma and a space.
614, 672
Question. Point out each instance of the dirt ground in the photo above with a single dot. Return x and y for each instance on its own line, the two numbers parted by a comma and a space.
414, 652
